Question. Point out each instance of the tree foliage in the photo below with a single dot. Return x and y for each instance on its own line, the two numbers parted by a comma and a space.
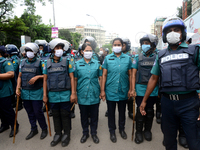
189, 9
109, 46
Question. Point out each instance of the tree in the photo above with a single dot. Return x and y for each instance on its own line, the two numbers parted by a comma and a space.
189, 9
65, 34
76, 38
109, 46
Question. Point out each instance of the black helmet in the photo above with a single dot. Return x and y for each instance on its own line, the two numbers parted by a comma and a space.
91, 40
11, 49
128, 43
153, 39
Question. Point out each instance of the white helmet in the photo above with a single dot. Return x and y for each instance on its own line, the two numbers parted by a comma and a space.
33, 46
191, 36
22, 49
53, 43
41, 42
66, 45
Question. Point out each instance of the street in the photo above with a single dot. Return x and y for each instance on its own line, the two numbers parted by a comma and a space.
35, 143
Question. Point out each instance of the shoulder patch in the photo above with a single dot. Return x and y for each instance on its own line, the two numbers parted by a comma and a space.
72, 59
100, 68
13, 62
70, 66
9, 63
42, 65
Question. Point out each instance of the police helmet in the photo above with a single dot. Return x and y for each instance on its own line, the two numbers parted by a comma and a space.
128, 43
40, 42
11, 49
55, 42
66, 45
2, 49
153, 39
171, 22
91, 40
31, 46
22, 49
107, 50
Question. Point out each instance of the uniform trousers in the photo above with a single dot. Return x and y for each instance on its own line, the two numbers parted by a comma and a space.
34, 111
91, 111
111, 115
7, 112
186, 111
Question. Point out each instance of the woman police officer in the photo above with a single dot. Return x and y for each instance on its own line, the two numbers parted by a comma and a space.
58, 81
87, 73
30, 79
116, 86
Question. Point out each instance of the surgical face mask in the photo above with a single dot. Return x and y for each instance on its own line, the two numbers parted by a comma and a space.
30, 55
88, 55
173, 37
146, 48
100, 52
117, 49
59, 53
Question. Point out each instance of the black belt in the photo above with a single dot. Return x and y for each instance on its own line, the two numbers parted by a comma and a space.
179, 96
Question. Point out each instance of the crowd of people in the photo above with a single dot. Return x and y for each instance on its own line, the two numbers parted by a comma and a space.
52, 74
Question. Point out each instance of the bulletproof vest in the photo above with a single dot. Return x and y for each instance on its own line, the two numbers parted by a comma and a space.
1, 81
29, 71
178, 70
145, 65
58, 77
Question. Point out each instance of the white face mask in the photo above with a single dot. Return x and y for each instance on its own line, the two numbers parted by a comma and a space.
30, 55
100, 52
59, 53
87, 55
117, 49
173, 37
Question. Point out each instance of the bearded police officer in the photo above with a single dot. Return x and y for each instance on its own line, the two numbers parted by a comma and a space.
178, 67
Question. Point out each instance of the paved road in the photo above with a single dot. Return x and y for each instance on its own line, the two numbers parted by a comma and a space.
103, 133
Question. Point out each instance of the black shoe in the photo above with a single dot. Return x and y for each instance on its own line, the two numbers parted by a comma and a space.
65, 140
84, 138
12, 131
50, 113
158, 120
95, 139
158, 117
72, 115
113, 137
3, 128
148, 135
123, 134
43, 134
106, 114
56, 139
138, 137
183, 142
130, 115
32, 134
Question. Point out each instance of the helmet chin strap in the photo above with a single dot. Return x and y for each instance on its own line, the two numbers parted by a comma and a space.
149, 52
176, 44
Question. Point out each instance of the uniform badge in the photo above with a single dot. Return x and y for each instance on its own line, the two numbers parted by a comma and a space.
9, 64
103, 62
134, 61
13, 62
74, 68
43, 65
72, 59
154, 63
70, 66
100, 68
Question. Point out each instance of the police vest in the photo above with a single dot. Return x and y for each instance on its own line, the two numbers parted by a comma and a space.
29, 71
145, 65
58, 76
1, 81
178, 70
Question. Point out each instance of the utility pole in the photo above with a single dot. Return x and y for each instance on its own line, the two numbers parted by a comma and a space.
54, 15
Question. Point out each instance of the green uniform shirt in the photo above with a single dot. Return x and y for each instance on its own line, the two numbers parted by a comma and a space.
141, 88
15, 62
32, 94
7, 89
88, 88
62, 96
117, 83
156, 70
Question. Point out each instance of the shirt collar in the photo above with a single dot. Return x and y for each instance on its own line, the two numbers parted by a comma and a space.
91, 61
182, 45
113, 55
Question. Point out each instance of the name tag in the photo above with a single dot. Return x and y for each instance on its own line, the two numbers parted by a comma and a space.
150, 63
29, 70
56, 69
174, 57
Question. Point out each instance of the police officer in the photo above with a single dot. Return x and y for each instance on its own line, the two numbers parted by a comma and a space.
6, 91
178, 68
41, 44
142, 65
116, 86
125, 49
103, 53
13, 52
90, 40
59, 82
22, 53
30, 80
79, 55
87, 73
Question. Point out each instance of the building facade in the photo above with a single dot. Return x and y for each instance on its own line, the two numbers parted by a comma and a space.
90, 30
110, 37
195, 5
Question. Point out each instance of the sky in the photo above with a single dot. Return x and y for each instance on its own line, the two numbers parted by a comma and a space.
126, 17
